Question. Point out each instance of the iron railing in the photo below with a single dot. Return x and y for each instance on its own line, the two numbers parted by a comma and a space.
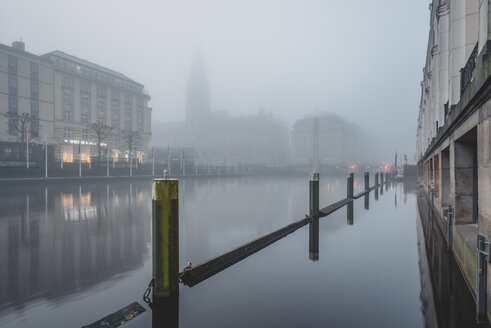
466, 71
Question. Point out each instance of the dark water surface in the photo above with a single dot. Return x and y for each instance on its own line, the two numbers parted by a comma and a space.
72, 254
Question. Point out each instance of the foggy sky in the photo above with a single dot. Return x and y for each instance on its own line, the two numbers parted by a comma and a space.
360, 59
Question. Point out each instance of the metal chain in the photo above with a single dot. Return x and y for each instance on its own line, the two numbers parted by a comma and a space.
147, 299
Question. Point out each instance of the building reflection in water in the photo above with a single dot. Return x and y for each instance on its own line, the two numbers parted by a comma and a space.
446, 299
58, 240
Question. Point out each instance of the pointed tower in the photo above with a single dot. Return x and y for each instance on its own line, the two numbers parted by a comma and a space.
197, 95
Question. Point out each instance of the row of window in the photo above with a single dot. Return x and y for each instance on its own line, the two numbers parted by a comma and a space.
13, 68
67, 134
85, 86
84, 104
96, 75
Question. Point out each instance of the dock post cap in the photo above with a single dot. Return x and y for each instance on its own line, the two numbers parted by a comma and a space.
314, 176
165, 174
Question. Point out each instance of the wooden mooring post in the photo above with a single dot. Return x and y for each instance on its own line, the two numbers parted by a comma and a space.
349, 184
367, 181
314, 194
165, 237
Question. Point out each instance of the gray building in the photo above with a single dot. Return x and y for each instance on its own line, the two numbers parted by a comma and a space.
63, 95
338, 142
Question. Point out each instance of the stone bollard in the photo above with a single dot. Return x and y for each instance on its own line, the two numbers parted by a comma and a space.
165, 237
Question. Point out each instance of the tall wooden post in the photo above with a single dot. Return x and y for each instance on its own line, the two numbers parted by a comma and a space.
165, 237
314, 194
349, 182
367, 181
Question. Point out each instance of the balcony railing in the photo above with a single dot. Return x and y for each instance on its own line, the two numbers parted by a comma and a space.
466, 71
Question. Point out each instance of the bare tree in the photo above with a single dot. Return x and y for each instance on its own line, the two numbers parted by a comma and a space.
130, 138
101, 132
20, 123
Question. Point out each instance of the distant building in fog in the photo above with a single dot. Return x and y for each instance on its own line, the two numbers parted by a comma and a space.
63, 94
219, 137
339, 142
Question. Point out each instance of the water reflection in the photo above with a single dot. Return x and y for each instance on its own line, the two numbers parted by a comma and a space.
165, 312
59, 241
314, 240
446, 299
349, 214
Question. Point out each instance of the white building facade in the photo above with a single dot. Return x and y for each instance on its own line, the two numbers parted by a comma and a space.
454, 133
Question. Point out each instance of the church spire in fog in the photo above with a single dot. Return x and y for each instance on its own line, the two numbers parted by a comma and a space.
197, 92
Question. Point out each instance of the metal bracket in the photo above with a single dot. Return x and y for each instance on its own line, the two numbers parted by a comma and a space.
449, 227
483, 258
484, 246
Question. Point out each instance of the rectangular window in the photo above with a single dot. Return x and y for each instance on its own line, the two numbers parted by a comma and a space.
67, 98
34, 90
85, 135
100, 120
115, 94
12, 65
101, 91
34, 71
13, 104
116, 141
128, 125
12, 84
34, 127
84, 117
85, 86
100, 106
128, 98
115, 109
67, 133
115, 124
34, 108
84, 103
67, 115
67, 82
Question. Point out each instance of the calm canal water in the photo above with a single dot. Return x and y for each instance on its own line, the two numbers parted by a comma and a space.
72, 254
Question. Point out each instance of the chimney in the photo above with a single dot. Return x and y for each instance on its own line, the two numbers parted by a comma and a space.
19, 45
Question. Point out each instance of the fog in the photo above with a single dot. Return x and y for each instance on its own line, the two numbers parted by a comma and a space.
361, 60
